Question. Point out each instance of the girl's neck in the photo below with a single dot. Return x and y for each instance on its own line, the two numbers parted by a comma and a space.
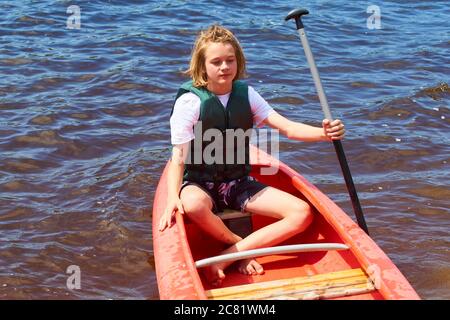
219, 90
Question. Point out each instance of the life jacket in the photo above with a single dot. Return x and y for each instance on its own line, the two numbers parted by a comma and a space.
234, 163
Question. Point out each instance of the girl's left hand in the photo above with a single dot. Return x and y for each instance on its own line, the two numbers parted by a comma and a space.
334, 130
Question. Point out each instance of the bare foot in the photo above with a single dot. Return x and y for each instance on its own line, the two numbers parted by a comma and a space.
214, 275
250, 267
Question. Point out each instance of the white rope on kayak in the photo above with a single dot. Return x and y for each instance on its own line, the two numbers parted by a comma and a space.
268, 251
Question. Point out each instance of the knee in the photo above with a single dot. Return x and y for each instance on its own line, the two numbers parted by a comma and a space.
194, 205
301, 216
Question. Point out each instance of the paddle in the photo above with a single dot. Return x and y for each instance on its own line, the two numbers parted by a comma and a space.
297, 15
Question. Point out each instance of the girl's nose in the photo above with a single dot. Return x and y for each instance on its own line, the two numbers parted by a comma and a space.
224, 66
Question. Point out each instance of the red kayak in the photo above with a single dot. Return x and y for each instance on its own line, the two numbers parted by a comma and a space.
332, 259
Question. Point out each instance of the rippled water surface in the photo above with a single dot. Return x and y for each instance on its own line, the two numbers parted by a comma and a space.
84, 131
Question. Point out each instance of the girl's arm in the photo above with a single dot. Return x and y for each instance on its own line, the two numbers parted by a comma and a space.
303, 132
176, 169
174, 180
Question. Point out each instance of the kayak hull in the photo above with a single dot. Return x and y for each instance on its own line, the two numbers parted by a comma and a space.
177, 248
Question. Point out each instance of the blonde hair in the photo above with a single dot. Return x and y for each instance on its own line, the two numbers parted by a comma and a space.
215, 34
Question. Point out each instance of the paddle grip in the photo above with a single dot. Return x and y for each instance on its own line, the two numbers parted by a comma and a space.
297, 15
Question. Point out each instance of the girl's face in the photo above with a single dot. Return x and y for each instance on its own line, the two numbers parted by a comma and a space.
221, 67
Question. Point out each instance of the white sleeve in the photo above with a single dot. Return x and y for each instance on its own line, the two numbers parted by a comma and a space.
260, 107
185, 115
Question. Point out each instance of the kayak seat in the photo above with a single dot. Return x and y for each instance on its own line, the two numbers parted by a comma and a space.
228, 214
238, 222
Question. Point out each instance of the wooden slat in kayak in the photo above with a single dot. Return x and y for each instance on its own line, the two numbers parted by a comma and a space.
322, 286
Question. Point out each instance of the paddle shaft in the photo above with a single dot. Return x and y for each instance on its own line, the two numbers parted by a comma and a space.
296, 14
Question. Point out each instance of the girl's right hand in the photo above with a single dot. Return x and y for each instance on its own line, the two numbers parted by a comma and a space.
173, 205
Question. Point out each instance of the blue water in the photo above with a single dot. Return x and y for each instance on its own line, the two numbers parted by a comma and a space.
84, 130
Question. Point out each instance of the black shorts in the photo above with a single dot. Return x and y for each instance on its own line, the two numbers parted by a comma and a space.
232, 194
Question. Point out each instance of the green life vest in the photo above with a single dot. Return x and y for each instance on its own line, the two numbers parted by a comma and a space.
234, 124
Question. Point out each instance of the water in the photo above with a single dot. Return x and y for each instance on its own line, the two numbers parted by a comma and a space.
84, 131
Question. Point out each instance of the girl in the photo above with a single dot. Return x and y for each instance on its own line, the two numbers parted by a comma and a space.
215, 98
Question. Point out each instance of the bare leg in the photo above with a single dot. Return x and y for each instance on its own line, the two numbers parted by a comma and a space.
294, 214
198, 205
